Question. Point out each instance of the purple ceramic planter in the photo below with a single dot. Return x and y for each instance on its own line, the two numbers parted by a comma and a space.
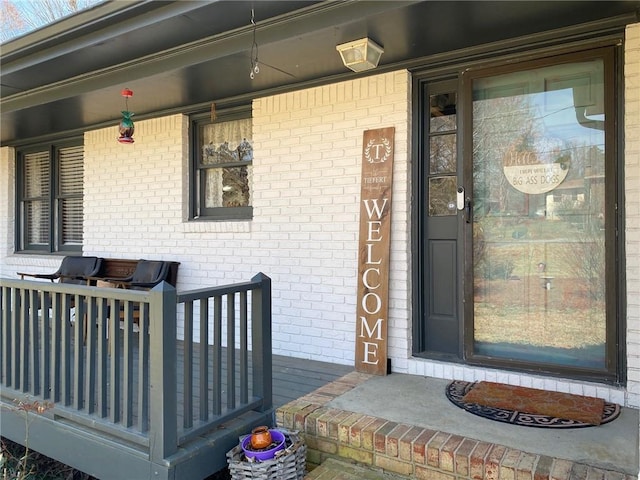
263, 455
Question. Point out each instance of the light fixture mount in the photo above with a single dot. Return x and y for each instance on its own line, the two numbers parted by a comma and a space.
360, 55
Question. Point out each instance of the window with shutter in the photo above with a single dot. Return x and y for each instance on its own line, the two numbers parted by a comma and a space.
50, 189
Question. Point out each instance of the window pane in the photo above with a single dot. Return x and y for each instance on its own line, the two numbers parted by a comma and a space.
442, 196
36, 178
539, 213
227, 187
36, 222
36, 175
70, 179
71, 210
442, 154
442, 112
227, 142
70, 170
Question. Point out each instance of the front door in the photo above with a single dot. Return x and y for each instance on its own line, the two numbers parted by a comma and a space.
439, 291
518, 219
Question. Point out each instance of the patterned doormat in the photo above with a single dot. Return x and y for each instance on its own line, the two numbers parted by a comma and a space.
459, 393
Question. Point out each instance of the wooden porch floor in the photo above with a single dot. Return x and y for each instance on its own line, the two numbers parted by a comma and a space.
296, 377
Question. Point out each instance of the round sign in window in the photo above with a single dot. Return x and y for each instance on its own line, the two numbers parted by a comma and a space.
530, 172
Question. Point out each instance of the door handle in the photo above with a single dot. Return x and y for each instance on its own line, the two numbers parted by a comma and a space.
469, 209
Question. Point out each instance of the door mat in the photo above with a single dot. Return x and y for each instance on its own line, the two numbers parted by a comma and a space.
530, 407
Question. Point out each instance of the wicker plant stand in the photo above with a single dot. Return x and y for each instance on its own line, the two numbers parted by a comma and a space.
289, 464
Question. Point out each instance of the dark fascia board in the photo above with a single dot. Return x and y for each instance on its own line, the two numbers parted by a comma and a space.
86, 28
317, 16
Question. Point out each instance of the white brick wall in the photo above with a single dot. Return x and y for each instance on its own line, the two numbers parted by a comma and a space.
7, 199
133, 192
632, 208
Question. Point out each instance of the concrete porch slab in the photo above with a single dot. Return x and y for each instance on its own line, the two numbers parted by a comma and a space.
405, 424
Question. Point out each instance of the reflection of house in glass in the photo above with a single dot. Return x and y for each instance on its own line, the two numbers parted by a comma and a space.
573, 201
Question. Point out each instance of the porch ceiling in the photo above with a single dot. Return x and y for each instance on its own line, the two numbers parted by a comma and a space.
184, 54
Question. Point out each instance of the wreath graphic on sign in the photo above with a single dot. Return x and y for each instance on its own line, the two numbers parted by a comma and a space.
385, 156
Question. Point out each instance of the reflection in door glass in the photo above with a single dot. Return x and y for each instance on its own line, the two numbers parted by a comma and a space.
442, 154
442, 195
442, 112
539, 216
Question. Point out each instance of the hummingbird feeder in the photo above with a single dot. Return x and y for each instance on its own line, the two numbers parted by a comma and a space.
126, 127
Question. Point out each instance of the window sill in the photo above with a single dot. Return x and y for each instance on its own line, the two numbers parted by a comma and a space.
213, 226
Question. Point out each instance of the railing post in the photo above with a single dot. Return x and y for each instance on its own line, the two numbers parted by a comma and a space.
261, 340
163, 438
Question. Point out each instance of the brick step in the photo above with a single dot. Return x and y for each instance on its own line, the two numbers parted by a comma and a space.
334, 469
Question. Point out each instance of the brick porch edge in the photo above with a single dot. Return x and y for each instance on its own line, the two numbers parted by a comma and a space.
414, 451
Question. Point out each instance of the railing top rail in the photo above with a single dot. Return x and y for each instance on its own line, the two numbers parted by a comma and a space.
74, 289
201, 293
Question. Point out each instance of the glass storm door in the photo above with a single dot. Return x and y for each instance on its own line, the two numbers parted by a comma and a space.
542, 220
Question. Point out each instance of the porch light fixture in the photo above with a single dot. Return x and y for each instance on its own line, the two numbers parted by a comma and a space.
360, 55
126, 127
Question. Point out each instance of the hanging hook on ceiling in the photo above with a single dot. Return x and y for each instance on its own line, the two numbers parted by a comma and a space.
255, 69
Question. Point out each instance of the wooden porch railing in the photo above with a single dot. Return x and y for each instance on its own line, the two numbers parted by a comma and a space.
113, 363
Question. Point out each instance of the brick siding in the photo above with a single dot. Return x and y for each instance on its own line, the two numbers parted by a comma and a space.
632, 209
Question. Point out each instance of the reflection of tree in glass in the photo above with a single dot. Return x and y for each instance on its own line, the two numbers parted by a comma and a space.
223, 153
498, 125
235, 192
585, 261
442, 154
442, 192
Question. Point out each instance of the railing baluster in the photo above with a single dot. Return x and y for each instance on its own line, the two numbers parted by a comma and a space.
114, 365
204, 360
78, 352
5, 348
23, 342
231, 351
143, 369
45, 357
56, 350
103, 353
34, 350
127, 380
217, 355
66, 350
13, 359
244, 364
187, 367
90, 342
